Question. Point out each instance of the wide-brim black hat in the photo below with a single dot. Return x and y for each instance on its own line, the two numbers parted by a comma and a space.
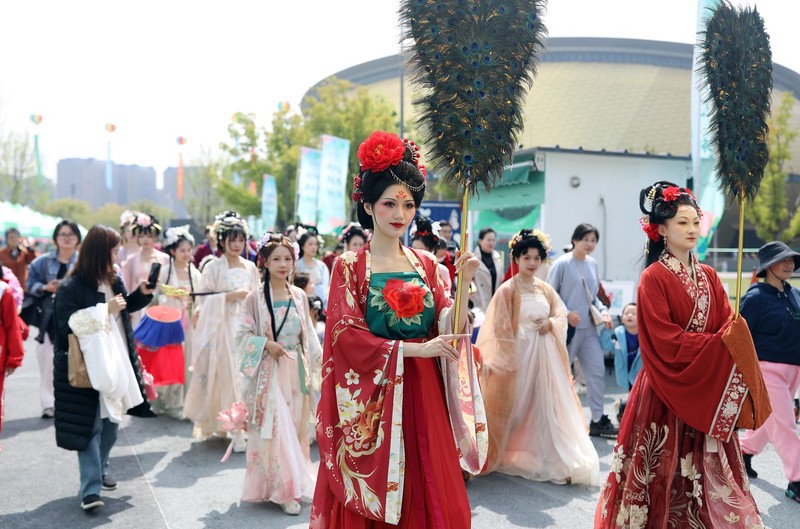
773, 253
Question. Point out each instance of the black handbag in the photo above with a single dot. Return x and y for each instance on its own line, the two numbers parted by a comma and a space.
31, 311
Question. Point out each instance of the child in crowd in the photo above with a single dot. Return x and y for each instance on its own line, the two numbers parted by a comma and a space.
625, 345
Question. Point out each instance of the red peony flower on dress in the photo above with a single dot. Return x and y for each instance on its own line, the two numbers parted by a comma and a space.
671, 193
381, 150
406, 299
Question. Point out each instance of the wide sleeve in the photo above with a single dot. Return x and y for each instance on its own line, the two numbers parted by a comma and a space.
689, 371
248, 325
212, 309
461, 386
14, 348
558, 323
359, 417
497, 336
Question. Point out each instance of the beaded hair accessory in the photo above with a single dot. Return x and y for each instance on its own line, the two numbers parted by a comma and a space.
378, 153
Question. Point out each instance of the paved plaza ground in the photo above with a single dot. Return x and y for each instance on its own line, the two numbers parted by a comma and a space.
168, 480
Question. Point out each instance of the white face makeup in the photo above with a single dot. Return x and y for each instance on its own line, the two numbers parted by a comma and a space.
682, 230
393, 211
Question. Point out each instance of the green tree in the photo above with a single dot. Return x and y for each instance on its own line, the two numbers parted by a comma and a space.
163, 214
203, 179
17, 168
71, 208
108, 215
340, 108
768, 211
244, 173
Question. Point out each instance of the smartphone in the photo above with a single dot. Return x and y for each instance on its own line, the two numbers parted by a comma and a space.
152, 279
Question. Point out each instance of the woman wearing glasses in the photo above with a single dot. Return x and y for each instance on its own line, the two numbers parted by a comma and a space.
44, 276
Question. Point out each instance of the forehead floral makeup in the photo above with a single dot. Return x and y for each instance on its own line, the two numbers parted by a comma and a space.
401, 195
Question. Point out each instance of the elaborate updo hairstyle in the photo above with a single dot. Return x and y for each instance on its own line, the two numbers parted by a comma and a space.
304, 233
385, 159
228, 225
126, 220
146, 224
664, 199
173, 237
526, 240
351, 231
268, 244
427, 233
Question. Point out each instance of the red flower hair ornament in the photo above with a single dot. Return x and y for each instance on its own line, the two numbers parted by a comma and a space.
381, 150
671, 193
650, 229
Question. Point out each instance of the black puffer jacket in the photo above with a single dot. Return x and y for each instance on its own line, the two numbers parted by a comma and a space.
76, 408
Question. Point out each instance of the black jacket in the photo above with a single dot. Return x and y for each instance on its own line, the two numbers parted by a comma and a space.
76, 408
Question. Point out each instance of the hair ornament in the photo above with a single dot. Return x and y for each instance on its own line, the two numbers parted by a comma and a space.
380, 151
268, 239
671, 193
530, 234
357, 195
413, 189
127, 218
144, 222
650, 228
227, 221
351, 226
177, 233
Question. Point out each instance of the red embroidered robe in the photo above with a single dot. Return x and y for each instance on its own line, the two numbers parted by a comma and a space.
359, 434
677, 462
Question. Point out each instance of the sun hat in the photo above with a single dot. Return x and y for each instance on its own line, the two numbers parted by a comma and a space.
773, 253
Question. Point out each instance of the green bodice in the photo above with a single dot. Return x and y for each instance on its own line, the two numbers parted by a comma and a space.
400, 306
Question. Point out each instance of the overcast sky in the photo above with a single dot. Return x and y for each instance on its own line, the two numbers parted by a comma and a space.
159, 70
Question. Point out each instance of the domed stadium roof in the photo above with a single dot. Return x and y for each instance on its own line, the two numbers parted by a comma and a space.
599, 93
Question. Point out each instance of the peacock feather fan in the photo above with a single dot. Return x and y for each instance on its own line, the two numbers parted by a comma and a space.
474, 61
737, 63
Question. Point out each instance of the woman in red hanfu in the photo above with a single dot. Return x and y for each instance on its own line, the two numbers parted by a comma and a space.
677, 462
400, 405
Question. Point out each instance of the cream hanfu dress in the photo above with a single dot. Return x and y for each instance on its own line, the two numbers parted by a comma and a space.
276, 393
537, 429
216, 382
